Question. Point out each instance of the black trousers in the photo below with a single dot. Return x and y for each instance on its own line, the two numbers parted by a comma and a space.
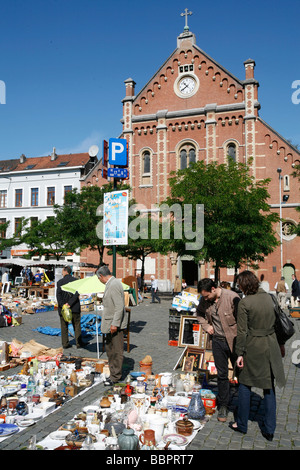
222, 353
64, 330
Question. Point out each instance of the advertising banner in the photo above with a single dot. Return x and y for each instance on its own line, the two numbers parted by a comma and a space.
115, 220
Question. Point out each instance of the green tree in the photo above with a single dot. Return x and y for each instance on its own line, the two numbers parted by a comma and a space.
47, 238
238, 222
16, 238
145, 237
80, 215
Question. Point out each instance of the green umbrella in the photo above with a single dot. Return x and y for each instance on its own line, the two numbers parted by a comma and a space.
88, 285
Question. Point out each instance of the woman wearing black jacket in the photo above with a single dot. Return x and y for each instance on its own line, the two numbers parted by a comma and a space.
259, 356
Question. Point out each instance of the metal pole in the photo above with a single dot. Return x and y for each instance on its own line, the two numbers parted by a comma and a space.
114, 246
280, 215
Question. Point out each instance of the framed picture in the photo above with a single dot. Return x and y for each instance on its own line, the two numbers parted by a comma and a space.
188, 364
195, 357
191, 333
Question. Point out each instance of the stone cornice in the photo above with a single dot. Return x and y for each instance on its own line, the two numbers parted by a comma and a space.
225, 108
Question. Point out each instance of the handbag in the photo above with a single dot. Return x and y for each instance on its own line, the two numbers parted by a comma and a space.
284, 327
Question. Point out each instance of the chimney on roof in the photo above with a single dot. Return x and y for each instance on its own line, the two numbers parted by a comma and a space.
53, 154
22, 158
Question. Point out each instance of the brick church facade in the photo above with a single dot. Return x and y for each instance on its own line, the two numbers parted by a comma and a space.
194, 109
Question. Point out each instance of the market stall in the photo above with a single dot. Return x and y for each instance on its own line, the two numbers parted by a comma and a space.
149, 411
46, 382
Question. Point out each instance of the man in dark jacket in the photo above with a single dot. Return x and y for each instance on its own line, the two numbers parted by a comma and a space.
72, 300
216, 313
295, 295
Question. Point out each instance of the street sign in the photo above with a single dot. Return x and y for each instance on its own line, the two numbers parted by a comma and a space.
118, 152
117, 173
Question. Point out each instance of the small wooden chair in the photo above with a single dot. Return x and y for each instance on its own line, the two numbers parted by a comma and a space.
126, 332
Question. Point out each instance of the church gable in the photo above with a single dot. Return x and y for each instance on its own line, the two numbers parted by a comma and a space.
189, 79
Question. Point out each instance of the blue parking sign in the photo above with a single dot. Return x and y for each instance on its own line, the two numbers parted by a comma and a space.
118, 152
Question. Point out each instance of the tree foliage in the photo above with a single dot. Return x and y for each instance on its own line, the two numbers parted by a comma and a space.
238, 223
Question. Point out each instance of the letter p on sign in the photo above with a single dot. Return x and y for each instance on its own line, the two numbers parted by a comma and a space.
118, 152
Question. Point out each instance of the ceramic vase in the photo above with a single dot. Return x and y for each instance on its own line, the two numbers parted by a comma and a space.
196, 408
128, 440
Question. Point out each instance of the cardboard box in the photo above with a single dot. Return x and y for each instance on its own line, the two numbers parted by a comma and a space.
191, 295
182, 303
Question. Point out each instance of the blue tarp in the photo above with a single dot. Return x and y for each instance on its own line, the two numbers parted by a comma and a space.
88, 327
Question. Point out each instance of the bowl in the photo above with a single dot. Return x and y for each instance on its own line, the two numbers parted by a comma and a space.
136, 374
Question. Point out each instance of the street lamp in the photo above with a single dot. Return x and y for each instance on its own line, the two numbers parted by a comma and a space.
279, 170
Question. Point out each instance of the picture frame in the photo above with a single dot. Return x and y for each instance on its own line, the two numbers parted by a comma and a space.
188, 364
191, 333
196, 357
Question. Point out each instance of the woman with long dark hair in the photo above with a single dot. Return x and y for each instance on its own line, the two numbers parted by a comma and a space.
259, 356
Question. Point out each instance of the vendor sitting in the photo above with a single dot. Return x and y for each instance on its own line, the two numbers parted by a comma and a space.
38, 277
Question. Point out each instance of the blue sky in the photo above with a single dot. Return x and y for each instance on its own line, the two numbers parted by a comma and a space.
64, 63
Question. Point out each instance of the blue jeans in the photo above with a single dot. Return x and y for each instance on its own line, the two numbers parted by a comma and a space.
244, 409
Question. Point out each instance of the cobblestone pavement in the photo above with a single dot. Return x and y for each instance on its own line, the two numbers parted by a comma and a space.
149, 335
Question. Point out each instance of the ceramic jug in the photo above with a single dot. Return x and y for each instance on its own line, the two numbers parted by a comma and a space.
196, 408
148, 440
128, 440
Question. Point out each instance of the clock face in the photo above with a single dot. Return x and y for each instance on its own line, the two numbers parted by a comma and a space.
187, 85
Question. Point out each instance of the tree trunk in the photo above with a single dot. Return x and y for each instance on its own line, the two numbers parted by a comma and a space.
216, 273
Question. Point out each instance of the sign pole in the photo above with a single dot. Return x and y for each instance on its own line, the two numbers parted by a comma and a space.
118, 156
114, 246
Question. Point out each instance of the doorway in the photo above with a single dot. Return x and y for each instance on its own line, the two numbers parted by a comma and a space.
288, 270
190, 272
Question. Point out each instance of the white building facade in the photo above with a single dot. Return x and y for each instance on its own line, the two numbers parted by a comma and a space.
29, 188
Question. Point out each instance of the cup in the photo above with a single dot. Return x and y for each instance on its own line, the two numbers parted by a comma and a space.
10, 419
148, 437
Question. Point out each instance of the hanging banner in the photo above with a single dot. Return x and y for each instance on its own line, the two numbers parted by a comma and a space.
115, 220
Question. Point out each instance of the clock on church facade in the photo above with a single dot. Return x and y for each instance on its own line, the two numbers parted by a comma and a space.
194, 109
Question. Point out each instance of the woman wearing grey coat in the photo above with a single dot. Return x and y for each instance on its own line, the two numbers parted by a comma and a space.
259, 361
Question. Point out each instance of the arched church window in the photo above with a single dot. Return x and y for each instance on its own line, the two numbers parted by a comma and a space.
146, 167
183, 159
192, 156
146, 162
231, 151
187, 155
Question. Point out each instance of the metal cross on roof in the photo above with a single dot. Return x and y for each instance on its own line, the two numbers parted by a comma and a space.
186, 14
